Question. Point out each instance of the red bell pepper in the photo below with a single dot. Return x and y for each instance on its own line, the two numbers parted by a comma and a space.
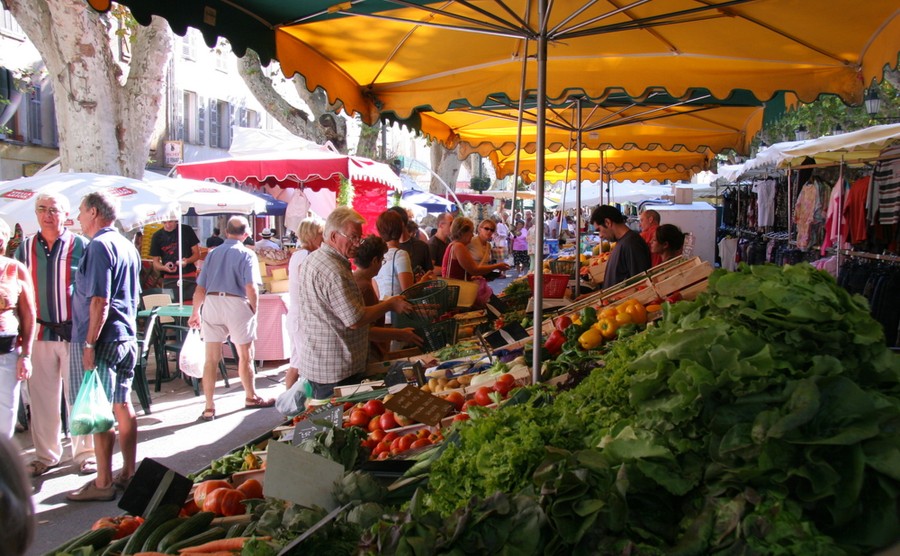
555, 342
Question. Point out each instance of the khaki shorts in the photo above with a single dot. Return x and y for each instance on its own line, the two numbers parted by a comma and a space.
224, 316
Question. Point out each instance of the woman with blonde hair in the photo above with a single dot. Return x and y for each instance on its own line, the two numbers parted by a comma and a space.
458, 260
309, 238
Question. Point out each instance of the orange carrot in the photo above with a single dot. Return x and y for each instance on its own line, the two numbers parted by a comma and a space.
150, 554
222, 545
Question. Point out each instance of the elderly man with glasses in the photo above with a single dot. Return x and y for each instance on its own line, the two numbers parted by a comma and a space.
333, 315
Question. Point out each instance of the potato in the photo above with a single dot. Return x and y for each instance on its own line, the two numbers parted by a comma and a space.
453, 383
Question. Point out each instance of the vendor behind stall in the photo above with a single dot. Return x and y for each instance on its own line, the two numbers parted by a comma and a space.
630, 256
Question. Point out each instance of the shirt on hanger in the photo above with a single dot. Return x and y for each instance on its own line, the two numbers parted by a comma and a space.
765, 200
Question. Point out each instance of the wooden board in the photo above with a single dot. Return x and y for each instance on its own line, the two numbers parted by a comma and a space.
682, 278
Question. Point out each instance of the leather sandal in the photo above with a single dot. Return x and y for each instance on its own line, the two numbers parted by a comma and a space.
37, 468
258, 403
208, 414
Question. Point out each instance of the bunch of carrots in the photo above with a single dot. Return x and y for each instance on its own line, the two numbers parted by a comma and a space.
221, 547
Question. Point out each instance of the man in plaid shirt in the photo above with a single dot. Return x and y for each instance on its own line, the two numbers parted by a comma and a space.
333, 316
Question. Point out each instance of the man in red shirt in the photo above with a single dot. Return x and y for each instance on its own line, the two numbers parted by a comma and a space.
649, 224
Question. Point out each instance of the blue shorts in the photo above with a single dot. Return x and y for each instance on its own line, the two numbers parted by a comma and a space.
115, 368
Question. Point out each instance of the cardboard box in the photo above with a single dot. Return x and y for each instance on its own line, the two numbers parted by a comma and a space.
684, 195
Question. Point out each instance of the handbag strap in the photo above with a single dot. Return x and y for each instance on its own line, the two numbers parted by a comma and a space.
394, 276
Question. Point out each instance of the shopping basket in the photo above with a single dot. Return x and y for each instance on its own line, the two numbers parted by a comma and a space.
555, 285
437, 335
429, 301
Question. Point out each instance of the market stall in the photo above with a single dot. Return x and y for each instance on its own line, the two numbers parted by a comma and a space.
640, 435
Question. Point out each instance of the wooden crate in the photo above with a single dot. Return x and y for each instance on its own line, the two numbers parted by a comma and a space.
642, 290
681, 278
691, 292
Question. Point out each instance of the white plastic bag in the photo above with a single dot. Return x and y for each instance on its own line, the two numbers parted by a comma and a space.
192, 357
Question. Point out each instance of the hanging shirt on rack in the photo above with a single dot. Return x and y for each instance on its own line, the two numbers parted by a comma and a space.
835, 223
727, 252
765, 201
855, 210
886, 181
805, 213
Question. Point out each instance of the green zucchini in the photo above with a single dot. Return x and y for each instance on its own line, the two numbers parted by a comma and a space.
209, 535
116, 547
95, 539
153, 540
67, 544
156, 518
193, 525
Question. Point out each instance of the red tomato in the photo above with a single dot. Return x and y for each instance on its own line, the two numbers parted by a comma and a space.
504, 383
387, 420
461, 417
483, 396
563, 322
420, 442
348, 405
384, 455
457, 399
374, 407
380, 447
403, 421
359, 418
375, 424
377, 435
369, 443
389, 437
251, 488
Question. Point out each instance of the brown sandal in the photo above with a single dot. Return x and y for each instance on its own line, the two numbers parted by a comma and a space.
258, 403
208, 414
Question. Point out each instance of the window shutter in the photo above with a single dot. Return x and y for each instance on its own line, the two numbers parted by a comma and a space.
179, 114
213, 122
201, 121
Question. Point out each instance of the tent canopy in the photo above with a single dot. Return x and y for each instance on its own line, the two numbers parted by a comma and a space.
444, 55
862, 144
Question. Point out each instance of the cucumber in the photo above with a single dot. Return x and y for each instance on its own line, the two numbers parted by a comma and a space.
193, 525
153, 540
213, 534
156, 518
250, 530
116, 547
95, 539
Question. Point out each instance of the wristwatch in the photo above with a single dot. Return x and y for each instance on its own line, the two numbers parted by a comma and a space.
88, 346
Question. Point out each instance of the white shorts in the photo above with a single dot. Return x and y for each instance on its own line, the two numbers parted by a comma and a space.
224, 316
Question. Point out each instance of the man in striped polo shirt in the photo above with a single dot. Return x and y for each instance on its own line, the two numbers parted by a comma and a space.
52, 256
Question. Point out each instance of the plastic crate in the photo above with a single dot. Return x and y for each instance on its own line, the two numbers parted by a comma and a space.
437, 335
555, 285
429, 301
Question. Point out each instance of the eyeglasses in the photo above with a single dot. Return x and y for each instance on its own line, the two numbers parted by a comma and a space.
352, 239
45, 210
486, 229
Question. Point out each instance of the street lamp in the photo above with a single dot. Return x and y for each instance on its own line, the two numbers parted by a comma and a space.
801, 133
873, 101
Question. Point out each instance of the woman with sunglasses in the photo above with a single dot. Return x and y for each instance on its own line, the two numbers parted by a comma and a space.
459, 262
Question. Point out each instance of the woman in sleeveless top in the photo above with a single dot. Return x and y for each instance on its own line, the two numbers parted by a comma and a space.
458, 261
396, 274
17, 320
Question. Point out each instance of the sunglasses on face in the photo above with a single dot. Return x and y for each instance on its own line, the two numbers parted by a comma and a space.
486, 229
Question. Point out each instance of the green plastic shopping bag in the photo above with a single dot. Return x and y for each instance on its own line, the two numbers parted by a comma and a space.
92, 412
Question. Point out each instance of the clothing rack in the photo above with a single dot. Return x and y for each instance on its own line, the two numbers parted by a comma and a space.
872, 256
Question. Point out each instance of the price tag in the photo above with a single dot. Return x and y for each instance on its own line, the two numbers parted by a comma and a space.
322, 419
420, 406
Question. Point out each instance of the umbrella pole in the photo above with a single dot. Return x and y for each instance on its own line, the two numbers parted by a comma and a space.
519, 141
180, 267
578, 197
539, 201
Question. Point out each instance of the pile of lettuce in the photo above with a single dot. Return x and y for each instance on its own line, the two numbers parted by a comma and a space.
764, 417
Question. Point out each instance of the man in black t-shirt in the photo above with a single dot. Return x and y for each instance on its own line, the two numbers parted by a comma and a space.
164, 250
630, 256
215, 239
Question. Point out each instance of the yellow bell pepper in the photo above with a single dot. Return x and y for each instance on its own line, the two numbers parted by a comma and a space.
608, 313
624, 317
590, 338
607, 327
637, 312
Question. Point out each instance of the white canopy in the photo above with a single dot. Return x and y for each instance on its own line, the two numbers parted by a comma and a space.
859, 145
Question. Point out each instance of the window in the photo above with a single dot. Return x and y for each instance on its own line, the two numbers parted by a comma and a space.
188, 49
220, 117
249, 118
191, 119
35, 129
9, 26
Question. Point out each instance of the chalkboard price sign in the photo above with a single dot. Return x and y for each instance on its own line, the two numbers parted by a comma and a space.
420, 406
322, 419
